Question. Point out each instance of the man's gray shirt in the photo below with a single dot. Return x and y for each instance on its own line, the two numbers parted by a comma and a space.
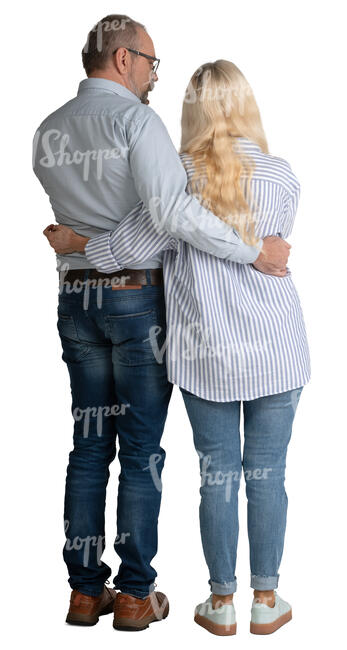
102, 153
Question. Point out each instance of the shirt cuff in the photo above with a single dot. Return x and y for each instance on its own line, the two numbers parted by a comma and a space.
98, 252
248, 254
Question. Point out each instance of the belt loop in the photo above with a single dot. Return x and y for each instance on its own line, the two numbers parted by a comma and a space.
86, 290
148, 276
62, 275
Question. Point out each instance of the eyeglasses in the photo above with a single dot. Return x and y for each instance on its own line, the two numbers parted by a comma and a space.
147, 56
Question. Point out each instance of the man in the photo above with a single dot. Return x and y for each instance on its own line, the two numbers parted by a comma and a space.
97, 157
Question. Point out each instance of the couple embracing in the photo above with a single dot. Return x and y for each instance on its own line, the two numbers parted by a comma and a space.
182, 253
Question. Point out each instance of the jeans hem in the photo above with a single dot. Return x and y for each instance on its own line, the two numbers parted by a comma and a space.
89, 592
223, 588
135, 592
264, 583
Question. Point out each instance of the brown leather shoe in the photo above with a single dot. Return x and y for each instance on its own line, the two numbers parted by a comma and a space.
85, 610
131, 613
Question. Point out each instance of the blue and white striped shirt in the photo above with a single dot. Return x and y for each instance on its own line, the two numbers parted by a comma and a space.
233, 333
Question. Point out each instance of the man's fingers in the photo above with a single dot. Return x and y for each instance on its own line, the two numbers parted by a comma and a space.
280, 273
50, 236
271, 270
51, 228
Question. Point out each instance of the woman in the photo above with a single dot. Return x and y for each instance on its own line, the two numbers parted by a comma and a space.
234, 335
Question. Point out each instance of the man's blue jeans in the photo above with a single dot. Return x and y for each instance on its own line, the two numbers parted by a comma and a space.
118, 388
267, 430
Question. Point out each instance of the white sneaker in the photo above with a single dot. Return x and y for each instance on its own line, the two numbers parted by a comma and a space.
221, 621
265, 619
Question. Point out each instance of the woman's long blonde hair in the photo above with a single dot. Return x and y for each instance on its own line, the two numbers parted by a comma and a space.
219, 105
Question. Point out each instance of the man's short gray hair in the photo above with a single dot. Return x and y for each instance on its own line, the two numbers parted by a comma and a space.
107, 35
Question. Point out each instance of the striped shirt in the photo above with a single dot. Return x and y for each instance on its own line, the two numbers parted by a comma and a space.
233, 333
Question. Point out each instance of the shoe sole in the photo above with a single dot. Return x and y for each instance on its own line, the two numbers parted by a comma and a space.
127, 625
215, 628
86, 619
268, 628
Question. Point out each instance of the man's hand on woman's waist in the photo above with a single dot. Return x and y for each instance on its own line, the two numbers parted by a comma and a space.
64, 240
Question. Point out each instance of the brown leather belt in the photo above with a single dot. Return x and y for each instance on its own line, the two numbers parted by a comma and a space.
124, 279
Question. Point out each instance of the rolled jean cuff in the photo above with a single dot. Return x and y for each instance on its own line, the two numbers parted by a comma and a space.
223, 588
264, 583
138, 594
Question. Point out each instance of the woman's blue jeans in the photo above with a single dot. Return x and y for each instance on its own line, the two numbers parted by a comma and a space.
267, 430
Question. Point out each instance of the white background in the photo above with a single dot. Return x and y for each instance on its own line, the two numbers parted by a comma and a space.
293, 56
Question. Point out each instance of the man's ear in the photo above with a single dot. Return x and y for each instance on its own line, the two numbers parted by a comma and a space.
120, 60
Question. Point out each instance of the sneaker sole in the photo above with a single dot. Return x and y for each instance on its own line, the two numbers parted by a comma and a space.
268, 628
215, 628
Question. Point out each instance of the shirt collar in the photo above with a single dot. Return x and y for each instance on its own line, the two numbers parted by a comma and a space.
97, 83
246, 142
